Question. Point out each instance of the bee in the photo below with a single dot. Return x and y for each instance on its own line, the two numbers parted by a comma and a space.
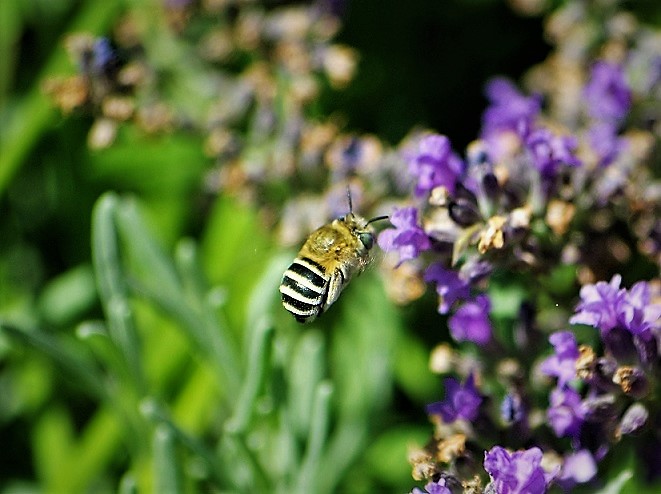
329, 258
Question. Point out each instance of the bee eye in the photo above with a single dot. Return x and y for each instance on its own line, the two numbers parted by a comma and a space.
367, 239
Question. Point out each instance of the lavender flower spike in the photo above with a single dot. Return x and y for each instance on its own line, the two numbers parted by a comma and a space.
435, 165
509, 110
607, 94
599, 304
471, 321
550, 151
565, 413
607, 306
516, 473
438, 487
578, 468
449, 286
638, 313
461, 402
563, 364
407, 238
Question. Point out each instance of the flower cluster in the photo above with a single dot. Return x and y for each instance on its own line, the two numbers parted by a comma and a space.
541, 203
555, 193
243, 76
601, 399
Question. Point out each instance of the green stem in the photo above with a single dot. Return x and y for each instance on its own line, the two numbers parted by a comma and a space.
257, 365
318, 434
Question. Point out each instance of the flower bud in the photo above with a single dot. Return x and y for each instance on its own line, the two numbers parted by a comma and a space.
599, 408
632, 380
633, 419
464, 212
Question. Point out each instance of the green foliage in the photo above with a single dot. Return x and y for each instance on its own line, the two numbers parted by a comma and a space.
192, 393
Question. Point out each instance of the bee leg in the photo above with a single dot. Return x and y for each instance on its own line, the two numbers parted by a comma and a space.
335, 285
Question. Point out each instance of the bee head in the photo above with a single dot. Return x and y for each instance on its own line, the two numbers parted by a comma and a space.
359, 226
361, 229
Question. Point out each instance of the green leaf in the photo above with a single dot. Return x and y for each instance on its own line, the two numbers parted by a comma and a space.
68, 296
112, 286
152, 410
506, 295
52, 441
95, 448
463, 242
387, 455
304, 374
561, 280
364, 337
167, 471
234, 251
168, 164
319, 425
258, 362
412, 370
71, 357
616, 484
143, 255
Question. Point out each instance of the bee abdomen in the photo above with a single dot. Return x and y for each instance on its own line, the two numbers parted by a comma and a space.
303, 289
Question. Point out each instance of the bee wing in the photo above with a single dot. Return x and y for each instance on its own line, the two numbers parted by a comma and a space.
335, 286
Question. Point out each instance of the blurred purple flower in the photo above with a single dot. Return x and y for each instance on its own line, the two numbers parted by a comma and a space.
509, 110
550, 151
565, 414
563, 364
438, 487
516, 473
435, 164
407, 238
471, 321
578, 468
461, 402
605, 142
606, 306
607, 94
449, 286
599, 304
637, 312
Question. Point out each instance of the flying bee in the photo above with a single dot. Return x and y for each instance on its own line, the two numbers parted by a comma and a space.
329, 258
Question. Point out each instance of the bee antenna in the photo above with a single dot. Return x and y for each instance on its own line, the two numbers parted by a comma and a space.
378, 218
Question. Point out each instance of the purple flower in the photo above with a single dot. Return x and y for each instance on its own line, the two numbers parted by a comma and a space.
516, 473
607, 306
578, 468
550, 151
565, 413
461, 402
435, 164
563, 364
408, 238
509, 110
637, 312
449, 286
438, 487
599, 304
605, 142
607, 94
471, 321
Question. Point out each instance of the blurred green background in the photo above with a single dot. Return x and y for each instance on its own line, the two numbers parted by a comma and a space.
143, 344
